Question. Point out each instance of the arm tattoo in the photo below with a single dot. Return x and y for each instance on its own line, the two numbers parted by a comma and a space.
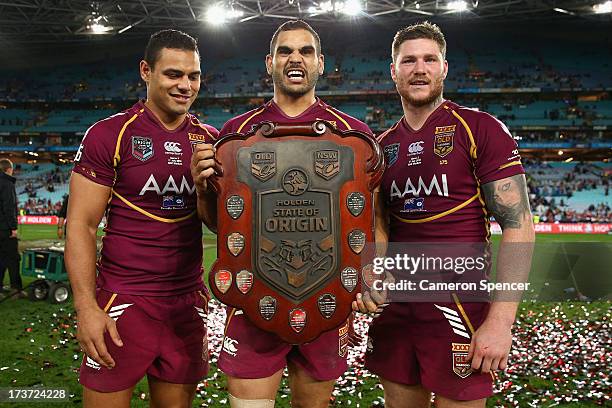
507, 200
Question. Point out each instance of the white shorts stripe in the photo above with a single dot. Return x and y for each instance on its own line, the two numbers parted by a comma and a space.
461, 333
447, 310
452, 317
120, 307
457, 325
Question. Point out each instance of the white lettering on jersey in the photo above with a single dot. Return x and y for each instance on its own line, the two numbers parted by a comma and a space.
169, 187
409, 188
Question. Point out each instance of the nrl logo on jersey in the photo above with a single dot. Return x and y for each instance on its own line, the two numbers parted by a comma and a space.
142, 147
392, 153
443, 140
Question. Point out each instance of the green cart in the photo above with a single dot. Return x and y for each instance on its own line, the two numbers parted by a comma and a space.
47, 266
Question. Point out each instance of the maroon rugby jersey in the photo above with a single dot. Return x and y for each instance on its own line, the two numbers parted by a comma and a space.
431, 185
271, 112
153, 241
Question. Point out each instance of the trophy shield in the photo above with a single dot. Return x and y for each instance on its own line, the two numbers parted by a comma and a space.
295, 209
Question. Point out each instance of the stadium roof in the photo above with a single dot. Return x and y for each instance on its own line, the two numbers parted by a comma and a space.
52, 21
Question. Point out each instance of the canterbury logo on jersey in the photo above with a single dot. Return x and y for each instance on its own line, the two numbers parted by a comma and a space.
172, 147
170, 186
422, 187
416, 147
454, 320
118, 310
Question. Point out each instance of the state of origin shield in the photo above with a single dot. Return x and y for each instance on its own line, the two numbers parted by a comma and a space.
295, 210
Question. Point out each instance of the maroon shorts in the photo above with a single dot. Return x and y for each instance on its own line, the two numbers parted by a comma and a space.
421, 343
163, 336
249, 352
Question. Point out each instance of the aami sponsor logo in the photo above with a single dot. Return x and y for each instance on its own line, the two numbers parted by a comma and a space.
170, 186
421, 187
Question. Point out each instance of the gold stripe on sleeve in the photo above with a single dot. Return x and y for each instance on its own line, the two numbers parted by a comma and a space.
117, 157
340, 118
469, 132
249, 118
512, 163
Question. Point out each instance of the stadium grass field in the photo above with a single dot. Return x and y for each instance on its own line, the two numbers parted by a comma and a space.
39, 349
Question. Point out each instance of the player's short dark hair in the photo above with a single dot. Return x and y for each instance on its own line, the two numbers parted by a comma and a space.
295, 25
173, 39
424, 30
5, 164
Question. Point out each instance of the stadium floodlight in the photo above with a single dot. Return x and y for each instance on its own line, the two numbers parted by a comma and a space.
217, 14
326, 6
602, 8
97, 28
96, 25
457, 6
352, 7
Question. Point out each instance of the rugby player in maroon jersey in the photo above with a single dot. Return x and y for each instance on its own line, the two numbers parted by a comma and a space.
449, 168
144, 311
254, 359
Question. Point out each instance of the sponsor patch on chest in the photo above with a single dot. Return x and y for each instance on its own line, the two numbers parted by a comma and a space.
173, 202
414, 205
